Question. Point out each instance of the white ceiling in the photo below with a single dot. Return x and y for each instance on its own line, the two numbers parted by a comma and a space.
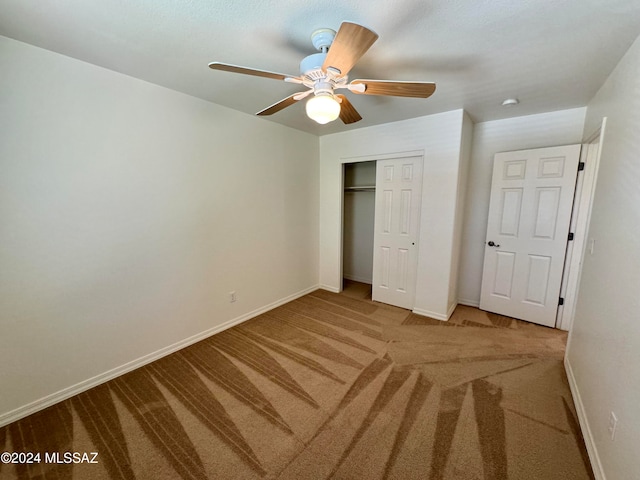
551, 54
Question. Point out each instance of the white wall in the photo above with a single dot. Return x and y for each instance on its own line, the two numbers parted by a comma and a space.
603, 357
439, 136
563, 127
128, 212
359, 219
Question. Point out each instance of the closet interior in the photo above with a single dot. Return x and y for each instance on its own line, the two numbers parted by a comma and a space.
358, 221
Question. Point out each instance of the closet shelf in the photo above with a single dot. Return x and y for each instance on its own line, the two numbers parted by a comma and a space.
368, 188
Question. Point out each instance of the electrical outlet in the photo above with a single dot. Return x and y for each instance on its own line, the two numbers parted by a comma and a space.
232, 297
613, 423
592, 245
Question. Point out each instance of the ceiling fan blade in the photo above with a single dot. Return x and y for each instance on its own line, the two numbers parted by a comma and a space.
248, 71
351, 42
276, 107
395, 89
348, 113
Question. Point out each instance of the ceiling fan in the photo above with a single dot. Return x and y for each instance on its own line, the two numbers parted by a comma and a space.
325, 72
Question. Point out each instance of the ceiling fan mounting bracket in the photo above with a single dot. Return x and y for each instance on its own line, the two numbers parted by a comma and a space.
322, 39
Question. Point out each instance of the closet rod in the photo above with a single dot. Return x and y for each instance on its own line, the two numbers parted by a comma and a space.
360, 189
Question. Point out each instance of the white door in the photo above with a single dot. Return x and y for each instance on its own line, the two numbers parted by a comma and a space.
529, 214
395, 241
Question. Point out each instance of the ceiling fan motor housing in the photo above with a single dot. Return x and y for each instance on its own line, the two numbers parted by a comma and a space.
323, 88
312, 62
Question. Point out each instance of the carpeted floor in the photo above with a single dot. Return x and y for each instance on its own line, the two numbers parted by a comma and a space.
327, 386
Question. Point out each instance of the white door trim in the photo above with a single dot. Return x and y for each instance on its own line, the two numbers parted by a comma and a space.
580, 227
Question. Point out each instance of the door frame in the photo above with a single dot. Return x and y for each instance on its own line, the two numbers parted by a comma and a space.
580, 219
365, 158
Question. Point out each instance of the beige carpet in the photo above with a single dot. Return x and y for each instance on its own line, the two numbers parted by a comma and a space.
327, 386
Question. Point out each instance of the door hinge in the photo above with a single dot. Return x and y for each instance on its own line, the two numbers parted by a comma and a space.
580, 166
570, 236
561, 301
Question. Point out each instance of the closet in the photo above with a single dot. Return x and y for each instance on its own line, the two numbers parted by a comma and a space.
358, 221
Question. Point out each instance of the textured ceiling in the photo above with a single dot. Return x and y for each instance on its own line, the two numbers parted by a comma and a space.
551, 54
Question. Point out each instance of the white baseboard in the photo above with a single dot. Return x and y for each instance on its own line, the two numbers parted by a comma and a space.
596, 465
469, 303
356, 278
65, 393
437, 316
329, 288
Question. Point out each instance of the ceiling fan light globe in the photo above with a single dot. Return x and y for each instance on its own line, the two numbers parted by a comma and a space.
323, 109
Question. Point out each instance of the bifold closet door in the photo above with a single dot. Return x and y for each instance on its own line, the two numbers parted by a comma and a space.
397, 221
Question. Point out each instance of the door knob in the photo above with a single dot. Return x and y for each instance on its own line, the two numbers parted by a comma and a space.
492, 244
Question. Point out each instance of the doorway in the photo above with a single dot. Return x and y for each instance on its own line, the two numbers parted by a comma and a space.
577, 248
381, 224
